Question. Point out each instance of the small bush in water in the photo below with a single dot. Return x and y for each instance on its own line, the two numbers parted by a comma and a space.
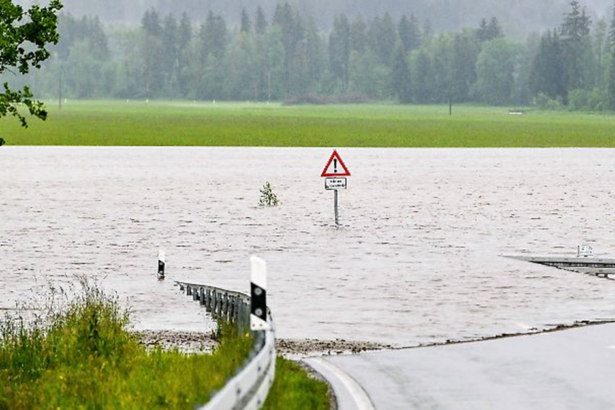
268, 197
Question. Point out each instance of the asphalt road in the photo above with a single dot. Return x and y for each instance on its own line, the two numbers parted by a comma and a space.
571, 369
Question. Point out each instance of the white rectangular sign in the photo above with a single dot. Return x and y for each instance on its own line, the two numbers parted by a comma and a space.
585, 251
335, 183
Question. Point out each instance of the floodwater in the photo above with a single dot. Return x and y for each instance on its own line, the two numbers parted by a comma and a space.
418, 258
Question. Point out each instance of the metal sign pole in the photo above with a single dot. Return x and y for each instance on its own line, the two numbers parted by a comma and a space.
337, 215
335, 179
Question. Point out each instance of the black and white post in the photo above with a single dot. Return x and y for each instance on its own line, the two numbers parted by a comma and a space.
160, 264
258, 295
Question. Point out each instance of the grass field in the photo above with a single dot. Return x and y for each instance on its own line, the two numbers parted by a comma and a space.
123, 123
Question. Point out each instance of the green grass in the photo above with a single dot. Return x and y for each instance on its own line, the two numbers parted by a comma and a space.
118, 123
84, 357
293, 390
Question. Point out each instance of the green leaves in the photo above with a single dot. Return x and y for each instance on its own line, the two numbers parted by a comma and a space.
24, 36
10, 101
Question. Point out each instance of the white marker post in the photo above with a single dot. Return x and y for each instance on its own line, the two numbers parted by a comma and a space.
335, 179
160, 264
258, 295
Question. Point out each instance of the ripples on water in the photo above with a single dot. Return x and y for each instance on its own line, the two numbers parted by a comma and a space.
417, 260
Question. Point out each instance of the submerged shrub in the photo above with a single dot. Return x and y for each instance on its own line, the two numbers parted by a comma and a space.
268, 197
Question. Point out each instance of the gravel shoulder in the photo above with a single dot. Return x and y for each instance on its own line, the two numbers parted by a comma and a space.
296, 349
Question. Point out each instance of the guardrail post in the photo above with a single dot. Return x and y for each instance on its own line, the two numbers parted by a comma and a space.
202, 296
212, 304
160, 264
258, 297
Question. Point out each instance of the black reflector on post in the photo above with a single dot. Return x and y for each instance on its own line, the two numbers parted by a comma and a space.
161, 264
258, 297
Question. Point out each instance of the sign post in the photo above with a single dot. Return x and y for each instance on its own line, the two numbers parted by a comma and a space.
335, 174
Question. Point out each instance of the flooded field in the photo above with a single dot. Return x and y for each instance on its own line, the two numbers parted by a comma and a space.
417, 260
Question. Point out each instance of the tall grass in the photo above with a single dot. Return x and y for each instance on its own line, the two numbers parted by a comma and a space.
84, 356
81, 354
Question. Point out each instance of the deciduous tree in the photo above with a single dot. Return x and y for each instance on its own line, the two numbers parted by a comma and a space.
24, 38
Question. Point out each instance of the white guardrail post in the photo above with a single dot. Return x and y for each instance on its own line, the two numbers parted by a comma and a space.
248, 389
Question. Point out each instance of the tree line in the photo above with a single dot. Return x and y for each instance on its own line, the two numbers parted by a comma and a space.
284, 56
518, 17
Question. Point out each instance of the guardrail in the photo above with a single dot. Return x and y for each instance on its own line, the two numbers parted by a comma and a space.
249, 387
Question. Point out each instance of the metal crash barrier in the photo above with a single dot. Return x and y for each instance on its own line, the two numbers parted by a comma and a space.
249, 387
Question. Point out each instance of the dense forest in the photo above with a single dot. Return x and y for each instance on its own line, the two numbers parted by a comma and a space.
284, 56
516, 16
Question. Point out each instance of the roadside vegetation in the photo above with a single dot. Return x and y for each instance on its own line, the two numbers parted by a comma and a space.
81, 355
293, 390
137, 123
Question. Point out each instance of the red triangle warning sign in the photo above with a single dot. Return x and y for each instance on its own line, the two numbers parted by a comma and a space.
335, 167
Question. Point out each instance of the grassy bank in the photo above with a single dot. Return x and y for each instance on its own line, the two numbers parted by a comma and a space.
85, 357
293, 390
120, 123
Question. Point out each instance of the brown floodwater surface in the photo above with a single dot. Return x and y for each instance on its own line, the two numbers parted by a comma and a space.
417, 260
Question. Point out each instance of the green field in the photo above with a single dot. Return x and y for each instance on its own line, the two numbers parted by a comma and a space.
248, 124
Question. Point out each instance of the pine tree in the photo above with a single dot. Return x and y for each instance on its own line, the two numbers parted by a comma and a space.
489, 31
98, 39
547, 75
316, 54
400, 75
170, 53
421, 76
358, 35
427, 31
213, 36
293, 32
494, 30
463, 65
246, 23
260, 25
382, 37
184, 34
184, 37
575, 38
151, 49
483, 31
409, 33
339, 50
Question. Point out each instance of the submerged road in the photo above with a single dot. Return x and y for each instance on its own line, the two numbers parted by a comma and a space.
570, 369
